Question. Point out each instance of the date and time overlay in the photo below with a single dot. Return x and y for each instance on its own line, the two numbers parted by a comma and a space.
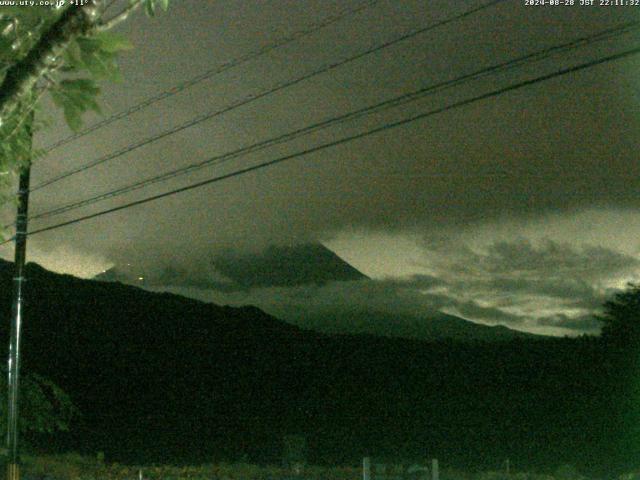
527, 3
582, 3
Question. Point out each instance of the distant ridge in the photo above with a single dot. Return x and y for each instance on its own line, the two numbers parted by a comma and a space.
435, 327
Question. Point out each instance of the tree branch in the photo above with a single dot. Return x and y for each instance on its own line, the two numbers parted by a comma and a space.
23, 76
30, 108
119, 17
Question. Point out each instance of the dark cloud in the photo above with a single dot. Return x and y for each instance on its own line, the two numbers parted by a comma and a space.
360, 295
415, 282
543, 283
371, 305
582, 324
520, 259
525, 285
492, 315
561, 288
559, 148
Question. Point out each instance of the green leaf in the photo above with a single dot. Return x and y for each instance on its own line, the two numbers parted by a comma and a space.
98, 60
76, 97
150, 7
113, 42
99, 65
72, 56
79, 84
72, 116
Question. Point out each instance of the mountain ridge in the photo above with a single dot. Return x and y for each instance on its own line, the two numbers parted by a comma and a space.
303, 265
163, 378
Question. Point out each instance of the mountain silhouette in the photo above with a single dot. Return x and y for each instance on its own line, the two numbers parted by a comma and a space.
309, 264
163, 378
276, 266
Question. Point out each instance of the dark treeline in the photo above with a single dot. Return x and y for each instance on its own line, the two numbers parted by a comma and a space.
161, 378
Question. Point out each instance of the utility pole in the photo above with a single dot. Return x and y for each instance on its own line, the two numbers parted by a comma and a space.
13, 367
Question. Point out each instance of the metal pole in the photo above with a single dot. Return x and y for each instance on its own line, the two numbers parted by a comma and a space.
13, 367
366, 468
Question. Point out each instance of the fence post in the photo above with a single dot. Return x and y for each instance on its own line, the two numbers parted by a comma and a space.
366, 468
435, 473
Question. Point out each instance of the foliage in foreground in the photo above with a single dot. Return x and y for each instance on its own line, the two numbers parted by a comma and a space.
44, 406
621, 317
55, 48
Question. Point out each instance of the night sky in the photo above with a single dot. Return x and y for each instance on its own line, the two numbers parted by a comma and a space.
521, 209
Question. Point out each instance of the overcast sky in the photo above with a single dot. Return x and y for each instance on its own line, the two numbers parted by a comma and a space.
521, 209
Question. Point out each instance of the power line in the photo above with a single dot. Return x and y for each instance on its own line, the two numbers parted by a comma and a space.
251, 98
343, 140
314, 27
394, 102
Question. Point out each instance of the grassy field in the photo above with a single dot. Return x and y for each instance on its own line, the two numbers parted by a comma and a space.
75, 467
